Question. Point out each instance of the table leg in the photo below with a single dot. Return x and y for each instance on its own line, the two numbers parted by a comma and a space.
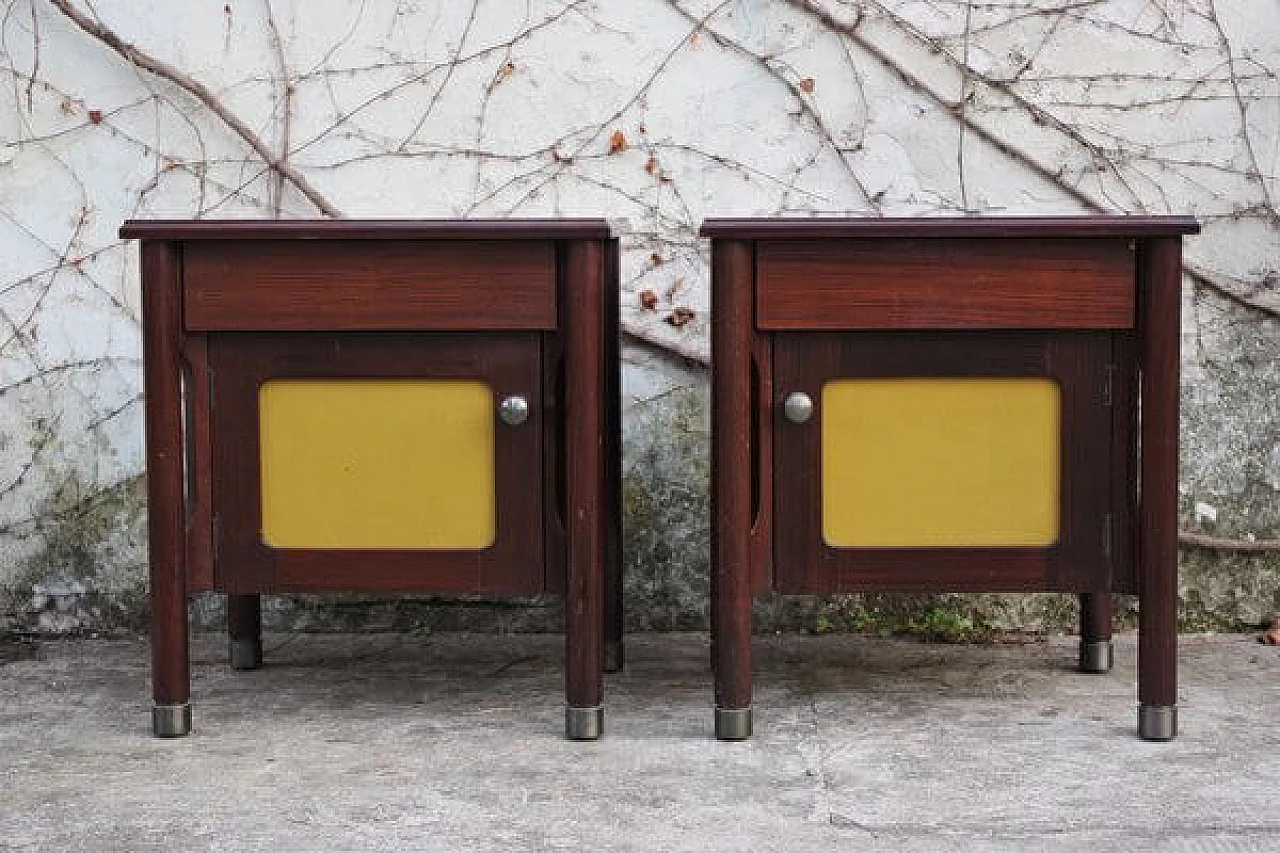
1160, 293
732, 286
584, 456
166, 510
1095, 632
244, 630
614, 608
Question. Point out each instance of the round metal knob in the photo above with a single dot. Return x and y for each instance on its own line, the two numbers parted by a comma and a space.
798, 407
513, 410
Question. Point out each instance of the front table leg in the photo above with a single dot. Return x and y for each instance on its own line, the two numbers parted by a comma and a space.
162, 377
584, 457
1095, 632
732, 285
1160, 296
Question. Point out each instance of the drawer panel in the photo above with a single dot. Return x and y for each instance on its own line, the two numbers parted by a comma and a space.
342, 285
944, 284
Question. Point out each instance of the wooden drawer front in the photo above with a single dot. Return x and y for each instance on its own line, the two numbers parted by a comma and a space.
945, 284
388, 285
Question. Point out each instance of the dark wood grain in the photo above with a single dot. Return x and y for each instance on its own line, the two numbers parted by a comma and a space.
166, 522
366, 229
554, 463
1064, 283
507, 362
1124, 463
1057, 297
1160, 294
762, 396
585, 424
614, 605
244, 619
732, 273
528, 306
199, 475
1077, 361
348, 285
976, 227
1095, 617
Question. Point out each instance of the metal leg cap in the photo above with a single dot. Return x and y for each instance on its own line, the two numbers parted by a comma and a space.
613, 657
1095, 656
1157, 722
583, 723
171, 720
246, 654
733, 723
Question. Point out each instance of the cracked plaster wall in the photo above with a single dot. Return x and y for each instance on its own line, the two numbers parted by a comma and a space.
655, 113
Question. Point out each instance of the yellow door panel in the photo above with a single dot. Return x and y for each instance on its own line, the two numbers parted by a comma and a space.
923, 462
377, 463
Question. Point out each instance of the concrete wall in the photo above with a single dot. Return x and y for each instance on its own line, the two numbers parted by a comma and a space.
655, 113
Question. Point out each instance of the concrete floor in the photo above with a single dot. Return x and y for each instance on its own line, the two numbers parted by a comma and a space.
392, 742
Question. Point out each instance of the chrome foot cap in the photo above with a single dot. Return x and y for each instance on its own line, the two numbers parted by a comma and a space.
171, 720
613, 657
733, 723
1095, 657
1158, 722
246, 654
583, 723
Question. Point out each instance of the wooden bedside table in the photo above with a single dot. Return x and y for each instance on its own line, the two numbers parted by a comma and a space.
947, 405
381, 405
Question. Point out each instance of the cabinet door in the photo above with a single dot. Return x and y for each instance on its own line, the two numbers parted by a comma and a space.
942, 460
377, 461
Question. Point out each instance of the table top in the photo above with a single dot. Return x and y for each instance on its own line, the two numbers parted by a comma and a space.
365, 229
969, 226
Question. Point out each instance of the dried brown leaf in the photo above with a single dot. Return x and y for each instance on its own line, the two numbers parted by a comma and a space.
680, 316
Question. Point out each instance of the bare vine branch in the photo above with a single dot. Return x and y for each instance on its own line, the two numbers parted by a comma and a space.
198, 90
1218, 543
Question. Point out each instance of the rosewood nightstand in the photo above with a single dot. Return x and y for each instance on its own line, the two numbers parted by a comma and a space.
947, 405
381, 405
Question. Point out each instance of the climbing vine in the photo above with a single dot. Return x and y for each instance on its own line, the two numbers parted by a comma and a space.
656, 114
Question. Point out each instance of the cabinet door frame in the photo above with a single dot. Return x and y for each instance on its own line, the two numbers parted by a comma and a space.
1079, 361
509, 362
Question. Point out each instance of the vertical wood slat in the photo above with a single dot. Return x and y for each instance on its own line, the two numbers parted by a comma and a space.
584, 457
611, 388
166, 522
762, 565
1160, 294
732, 294
198, 445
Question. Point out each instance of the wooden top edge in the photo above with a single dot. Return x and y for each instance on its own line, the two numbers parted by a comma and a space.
971, 226
365, 229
